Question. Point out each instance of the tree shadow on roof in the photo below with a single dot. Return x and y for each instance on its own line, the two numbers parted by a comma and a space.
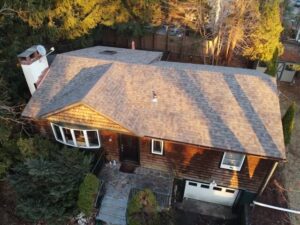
261, 132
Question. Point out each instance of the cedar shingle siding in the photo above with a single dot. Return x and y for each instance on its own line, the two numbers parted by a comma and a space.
82, 115
192, 162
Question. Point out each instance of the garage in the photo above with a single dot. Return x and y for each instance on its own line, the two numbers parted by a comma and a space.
210, 193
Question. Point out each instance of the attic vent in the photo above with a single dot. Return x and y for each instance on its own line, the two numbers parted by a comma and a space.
108, 52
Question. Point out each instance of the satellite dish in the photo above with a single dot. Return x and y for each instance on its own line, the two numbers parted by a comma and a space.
41, 50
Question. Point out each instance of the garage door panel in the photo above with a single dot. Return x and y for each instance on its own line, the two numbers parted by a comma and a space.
210, 193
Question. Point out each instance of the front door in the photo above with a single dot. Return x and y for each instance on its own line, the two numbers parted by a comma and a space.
129, 148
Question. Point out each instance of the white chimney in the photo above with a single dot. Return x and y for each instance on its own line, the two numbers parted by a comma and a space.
34, 63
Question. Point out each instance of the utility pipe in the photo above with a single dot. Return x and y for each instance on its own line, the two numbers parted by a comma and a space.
268, 178
276, 208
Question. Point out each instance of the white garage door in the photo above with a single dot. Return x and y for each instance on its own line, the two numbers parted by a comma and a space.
209, 193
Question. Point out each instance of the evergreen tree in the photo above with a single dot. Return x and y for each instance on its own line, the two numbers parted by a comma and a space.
288, 123
47, 187
272, 64
266, 38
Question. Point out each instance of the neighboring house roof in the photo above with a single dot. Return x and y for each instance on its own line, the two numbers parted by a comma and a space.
117, 54
231, 109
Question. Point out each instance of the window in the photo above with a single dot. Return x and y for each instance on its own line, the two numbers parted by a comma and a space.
157, 147
232, 161
193, 184
76, 137
57, 133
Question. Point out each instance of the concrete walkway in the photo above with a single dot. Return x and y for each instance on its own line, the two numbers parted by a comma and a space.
118, 186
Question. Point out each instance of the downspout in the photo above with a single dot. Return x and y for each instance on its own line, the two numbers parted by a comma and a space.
268, 178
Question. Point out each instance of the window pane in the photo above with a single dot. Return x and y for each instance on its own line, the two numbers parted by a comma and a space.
233, 156
157, 146
79, 138
233, 159
68, 136
57, 132
231, 162
93, 138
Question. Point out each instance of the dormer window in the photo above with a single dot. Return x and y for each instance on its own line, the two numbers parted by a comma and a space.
76, 137
232, 161
157, 147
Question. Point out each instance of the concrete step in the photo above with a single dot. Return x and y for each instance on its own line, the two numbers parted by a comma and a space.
112, 220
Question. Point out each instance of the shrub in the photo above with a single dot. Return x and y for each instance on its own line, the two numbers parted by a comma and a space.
87, 194
36, 146
142, 209
288, 122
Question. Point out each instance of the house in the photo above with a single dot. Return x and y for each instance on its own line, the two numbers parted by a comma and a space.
217, 129
286, 63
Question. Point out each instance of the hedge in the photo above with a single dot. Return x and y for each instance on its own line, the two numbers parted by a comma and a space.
87, 194
288, 123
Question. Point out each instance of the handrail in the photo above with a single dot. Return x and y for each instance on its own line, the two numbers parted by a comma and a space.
99, 158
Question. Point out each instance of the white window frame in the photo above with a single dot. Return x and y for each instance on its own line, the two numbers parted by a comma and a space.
229, 167
87, 144
153, 151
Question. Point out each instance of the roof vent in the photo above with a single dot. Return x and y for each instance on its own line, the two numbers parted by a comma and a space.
108, 52
154, 97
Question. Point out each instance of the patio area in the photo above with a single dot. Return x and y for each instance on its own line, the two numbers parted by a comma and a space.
118, 186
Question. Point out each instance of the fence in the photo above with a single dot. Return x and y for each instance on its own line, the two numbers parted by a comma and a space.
184, 49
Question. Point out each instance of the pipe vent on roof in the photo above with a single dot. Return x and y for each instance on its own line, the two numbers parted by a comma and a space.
154, 97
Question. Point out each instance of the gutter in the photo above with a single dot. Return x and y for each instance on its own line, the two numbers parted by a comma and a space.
268, 178
276, 207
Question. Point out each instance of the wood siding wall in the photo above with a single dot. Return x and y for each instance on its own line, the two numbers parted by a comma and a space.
195, 163
110, 144
185, 161
83, 115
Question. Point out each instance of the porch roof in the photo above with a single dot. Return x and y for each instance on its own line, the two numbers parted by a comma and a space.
230, 110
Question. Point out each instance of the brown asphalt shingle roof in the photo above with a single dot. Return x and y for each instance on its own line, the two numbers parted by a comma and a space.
232, 111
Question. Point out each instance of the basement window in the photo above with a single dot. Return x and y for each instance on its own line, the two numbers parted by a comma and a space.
232, 161
76, 137
157, 147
